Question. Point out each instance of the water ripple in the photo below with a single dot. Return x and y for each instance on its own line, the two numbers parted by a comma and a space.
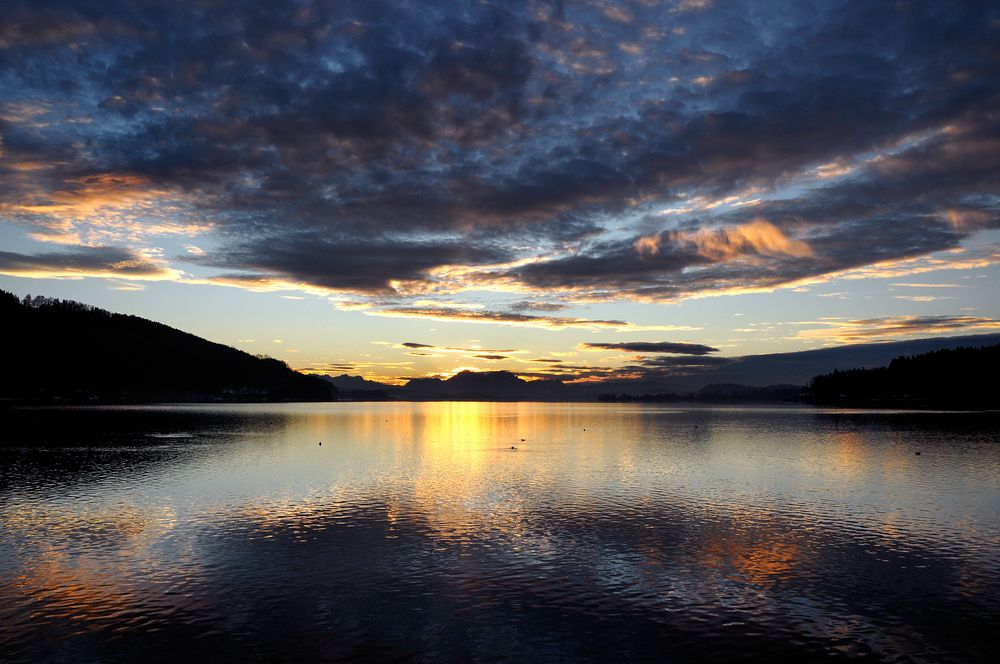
415, 532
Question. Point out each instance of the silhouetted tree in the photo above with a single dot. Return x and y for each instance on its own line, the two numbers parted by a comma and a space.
955, 378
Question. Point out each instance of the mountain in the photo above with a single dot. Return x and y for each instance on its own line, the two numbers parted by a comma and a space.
59, 349
952, 378
346, 383
67, 350
484, 386
771, 377
356, 388
796, 368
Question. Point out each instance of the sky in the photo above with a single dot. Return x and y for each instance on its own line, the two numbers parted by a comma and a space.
582, 190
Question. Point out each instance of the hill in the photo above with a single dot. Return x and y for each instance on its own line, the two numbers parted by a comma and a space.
357, 388
773, 377
484, 386
962, 378
60, 349
346, 382
793, 368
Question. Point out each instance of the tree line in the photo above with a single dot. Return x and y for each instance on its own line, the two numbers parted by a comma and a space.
66, 350
963, 378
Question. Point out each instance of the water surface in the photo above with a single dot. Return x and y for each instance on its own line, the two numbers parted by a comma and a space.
394, 531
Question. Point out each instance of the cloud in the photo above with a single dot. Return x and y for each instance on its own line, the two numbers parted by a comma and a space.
502, 317
388, 266
515, 318
25, 28
457, 349
652, 347
398, 149
891, 327
757, 238
920, 298
693, 5
85, 262
539, 305
101, 208
686, 362
919, 285
660, 264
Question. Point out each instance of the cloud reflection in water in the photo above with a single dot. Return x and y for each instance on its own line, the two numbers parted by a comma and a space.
415, 531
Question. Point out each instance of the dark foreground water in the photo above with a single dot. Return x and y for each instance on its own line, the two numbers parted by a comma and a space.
415, 532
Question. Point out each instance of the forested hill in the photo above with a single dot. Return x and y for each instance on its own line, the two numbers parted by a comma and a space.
60, 349
962, 378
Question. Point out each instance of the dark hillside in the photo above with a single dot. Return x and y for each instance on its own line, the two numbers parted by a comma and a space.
60, 349
962, 378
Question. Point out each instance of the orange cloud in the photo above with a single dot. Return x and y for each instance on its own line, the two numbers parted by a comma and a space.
875, 329
102, 209
515, 318
969, 219
759, 237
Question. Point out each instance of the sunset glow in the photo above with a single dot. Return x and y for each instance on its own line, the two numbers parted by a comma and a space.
351, 177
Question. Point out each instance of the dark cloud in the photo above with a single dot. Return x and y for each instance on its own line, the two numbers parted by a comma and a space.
512, 318
682, 374
889, 327
652, 347
353, 145
672, 365
660, 260
24, 28
371, 265
329, 367
83, 261
537, 305
484, 353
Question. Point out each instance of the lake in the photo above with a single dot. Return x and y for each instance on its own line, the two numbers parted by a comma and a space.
498, 531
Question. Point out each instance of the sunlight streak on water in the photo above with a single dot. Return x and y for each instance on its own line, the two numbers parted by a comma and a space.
497, 531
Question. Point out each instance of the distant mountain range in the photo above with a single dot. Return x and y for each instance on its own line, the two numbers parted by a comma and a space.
464, 386
58, 349
750, 377
796, 368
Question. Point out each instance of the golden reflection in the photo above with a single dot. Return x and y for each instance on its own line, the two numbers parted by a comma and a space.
849, 453
430, 461
92, 586
463, 447
457, 470
761, 562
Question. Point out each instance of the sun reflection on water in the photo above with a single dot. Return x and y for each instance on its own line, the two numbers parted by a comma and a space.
695, 520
